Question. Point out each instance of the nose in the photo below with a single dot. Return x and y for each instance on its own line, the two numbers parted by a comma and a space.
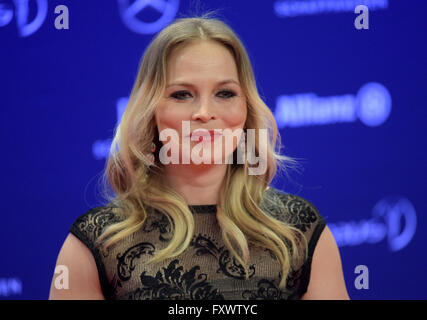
204, 112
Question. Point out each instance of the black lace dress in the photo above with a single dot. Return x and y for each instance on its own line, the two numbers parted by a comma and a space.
206, 269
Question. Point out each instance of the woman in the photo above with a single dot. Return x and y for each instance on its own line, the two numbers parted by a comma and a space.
191, 230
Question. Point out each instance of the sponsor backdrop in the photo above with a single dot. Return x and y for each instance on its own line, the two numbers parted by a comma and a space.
348, 90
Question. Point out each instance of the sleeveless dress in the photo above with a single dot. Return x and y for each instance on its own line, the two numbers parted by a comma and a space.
206, 269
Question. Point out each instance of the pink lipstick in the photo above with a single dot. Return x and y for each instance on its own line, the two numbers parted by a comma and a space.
205, 135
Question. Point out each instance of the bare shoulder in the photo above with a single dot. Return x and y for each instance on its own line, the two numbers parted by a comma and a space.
76, 274
326, 276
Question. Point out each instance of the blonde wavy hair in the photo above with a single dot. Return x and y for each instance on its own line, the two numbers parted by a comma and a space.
137, 186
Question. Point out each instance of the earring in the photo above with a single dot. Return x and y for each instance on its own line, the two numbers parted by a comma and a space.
150, 155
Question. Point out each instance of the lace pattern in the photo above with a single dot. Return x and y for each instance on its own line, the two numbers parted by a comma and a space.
206, 270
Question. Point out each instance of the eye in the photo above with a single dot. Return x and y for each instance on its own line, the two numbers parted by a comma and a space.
178, 94
229, 94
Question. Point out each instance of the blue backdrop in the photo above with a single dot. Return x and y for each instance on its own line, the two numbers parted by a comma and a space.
350, 104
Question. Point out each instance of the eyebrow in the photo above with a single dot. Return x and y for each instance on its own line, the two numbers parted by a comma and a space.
187, 84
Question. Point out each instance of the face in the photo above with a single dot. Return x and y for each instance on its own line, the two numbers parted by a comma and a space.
202, 89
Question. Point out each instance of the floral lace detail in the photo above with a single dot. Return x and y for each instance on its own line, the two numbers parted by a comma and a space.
229, 266
302, 214
158, 221
92, 225
174, 284
291, 209
266, 290
126, 261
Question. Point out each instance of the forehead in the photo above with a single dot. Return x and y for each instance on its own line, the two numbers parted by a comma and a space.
200, 60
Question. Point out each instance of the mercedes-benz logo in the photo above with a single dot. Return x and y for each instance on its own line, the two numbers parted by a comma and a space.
129, 10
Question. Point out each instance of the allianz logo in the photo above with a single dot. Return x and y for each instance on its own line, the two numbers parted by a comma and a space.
394, 221
371, 105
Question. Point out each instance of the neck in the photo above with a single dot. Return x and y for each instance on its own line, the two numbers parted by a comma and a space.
198, 184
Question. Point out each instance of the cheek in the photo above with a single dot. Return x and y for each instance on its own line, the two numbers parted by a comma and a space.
235, 117
170, 117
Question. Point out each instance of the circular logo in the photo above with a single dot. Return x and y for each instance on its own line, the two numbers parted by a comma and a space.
374, 104
6, 14
395, 210
130, 9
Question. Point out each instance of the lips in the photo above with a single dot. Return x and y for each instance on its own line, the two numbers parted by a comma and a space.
212, 134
